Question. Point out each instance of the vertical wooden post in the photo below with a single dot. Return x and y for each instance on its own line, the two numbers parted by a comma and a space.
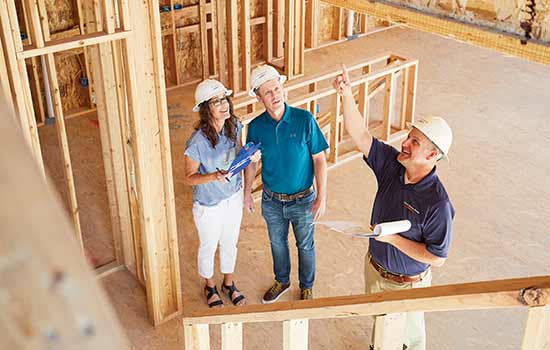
313, 103
312, 19
232, 336
389, 100
197, 337
295, 334
268, 30
289, 38
213, 48
245, 45
364, 102
279, 24
364, 23
337, 25
537, 335
150, 136
233, 54
335, 129
222, 41
204, 39
410, 110
17, 74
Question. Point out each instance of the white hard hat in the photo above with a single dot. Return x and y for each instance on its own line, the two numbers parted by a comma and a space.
262, 74
438, 131
206, 90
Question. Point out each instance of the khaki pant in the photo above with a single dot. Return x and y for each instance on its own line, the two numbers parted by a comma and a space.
415, 333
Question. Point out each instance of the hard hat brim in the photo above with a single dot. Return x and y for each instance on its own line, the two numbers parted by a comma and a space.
282, 79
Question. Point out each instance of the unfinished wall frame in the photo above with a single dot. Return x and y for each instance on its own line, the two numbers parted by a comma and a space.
133, 129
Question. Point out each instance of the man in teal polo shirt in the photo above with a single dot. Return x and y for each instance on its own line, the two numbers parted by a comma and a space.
292, 154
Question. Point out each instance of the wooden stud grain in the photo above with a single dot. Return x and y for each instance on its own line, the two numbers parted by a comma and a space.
245, 45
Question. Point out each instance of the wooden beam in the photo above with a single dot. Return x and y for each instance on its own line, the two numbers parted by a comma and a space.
474, 34
222, 41
232, 336
46, 280
17, 74
290, 19
232, 44
295, 334
204, 39
517, 292
73, 43
149, 125
312, 28
196, 337
389, 101
244, 48
536, 335
335, 129
64, 148
268, 30
337, 24
279, 24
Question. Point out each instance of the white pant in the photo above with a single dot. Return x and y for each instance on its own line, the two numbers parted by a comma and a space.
218, 224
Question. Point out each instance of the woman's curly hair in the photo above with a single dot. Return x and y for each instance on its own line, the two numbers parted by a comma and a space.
206, 123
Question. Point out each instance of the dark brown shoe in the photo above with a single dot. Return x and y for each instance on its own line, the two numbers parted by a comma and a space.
306, 294
274, 293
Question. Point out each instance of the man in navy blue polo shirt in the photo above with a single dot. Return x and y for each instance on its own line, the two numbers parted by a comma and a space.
408, 188
292, 155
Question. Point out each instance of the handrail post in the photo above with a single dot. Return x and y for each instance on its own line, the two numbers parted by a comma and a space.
537, 334
232, 336
197, 337
388, 330
295, 334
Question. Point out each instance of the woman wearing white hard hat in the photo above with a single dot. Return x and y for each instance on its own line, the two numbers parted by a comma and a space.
217, 199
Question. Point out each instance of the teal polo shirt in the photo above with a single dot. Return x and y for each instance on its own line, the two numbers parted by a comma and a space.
287, 147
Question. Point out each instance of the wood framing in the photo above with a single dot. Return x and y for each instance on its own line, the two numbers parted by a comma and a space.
295, 334
294, 38
312, 24
149, 124
232, 45
45, 278
232, 336
17, 74
244, 20
474, 34
536, 335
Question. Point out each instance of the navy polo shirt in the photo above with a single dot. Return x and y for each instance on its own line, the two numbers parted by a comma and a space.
287, 147
425, 204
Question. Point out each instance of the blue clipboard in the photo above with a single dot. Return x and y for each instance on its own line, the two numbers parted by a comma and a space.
243, 158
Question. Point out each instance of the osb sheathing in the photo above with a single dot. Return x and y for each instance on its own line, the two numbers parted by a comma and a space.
504, 15
256, 32
188, 55
326, 23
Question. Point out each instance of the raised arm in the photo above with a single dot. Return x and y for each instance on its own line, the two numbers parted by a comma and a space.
353, 121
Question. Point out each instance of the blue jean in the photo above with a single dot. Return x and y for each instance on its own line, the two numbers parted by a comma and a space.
278, 215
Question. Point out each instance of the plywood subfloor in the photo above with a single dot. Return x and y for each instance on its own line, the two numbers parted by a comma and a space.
497, 179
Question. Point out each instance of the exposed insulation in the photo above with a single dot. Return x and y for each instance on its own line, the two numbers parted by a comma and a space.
70, 68
188, 54
62, 14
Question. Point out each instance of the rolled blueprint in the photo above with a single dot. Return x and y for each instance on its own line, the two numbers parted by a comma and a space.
392, 227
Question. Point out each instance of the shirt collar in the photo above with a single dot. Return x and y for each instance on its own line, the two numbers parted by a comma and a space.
426, 181
286, 116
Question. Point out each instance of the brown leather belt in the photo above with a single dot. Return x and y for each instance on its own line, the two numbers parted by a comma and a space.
393, 276
289, 197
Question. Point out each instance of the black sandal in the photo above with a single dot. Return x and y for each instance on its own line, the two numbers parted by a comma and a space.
230, 290
211, 292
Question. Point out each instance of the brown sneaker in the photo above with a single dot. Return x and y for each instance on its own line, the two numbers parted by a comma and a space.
274, 293
306, 294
